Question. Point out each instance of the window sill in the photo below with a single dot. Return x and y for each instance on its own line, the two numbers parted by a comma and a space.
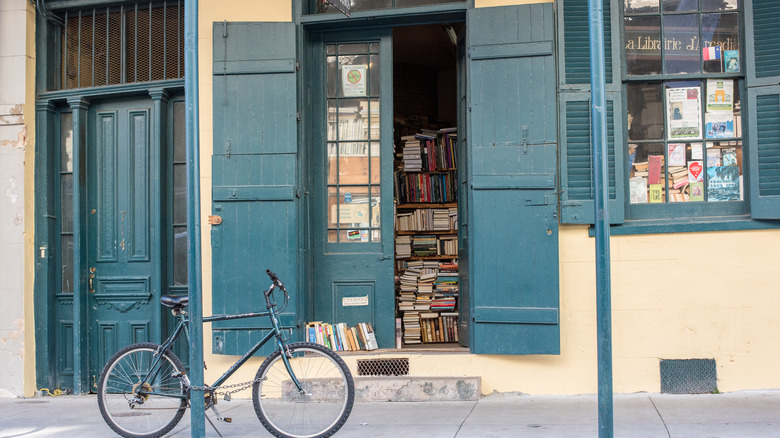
691, 225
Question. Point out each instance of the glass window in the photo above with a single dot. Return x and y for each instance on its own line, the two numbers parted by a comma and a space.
353, 171
322, 7
684, 136
179, 197
66, 203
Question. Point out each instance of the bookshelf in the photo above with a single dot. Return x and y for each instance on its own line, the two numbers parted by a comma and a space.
426, 238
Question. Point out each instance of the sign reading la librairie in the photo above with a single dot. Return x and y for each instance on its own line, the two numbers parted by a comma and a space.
643, 42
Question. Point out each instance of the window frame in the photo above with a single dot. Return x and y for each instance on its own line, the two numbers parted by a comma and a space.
690, 211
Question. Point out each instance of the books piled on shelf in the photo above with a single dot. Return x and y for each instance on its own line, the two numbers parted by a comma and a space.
426, 187
424, 245
447, 245
427, 219
340, 337
438, 327
403, 247
411, 153
411, 324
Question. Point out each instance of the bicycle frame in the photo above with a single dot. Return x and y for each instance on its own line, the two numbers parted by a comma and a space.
275, 331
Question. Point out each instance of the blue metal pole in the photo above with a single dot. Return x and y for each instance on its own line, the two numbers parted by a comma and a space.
197, 406
599, 150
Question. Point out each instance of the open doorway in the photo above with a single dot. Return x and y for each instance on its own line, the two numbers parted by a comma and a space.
425, 171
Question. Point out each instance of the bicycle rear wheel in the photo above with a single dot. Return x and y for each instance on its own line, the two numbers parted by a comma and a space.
142, 410
329, 392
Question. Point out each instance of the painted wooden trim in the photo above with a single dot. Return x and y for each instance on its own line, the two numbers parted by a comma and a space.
253, 193
516, 315
250, 67
499, 182
515, 50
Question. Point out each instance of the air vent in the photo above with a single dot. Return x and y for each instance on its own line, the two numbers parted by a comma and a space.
383, 367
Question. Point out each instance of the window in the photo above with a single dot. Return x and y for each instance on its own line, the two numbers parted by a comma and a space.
683, 82
323, 7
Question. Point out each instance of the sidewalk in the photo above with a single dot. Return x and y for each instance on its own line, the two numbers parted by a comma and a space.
744, 414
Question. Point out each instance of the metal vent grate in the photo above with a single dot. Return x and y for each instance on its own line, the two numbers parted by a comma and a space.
688, 376
110, 46
383, 367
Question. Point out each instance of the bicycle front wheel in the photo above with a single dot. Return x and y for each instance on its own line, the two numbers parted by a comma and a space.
140, 397
316, 412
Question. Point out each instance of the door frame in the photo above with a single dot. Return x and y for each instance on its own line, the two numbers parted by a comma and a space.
50, 356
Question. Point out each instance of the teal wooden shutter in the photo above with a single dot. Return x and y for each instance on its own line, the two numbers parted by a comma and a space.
576, 167
254, 176
513, 224
763, 77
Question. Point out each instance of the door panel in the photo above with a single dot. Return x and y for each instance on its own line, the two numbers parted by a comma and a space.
120, 163
352, 192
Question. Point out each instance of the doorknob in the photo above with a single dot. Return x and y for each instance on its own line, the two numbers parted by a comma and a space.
91, 276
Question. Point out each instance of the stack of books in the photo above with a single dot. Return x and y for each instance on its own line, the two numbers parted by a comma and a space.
340, 337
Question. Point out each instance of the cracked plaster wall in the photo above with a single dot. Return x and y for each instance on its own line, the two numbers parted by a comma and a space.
13, 141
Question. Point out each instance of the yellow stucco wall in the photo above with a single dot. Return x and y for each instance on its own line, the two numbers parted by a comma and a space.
29, 205
675, 296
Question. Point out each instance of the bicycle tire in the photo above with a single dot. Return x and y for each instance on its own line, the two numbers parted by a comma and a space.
151, 416
322, 411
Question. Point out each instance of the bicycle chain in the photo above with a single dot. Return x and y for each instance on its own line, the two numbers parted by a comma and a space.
239, 387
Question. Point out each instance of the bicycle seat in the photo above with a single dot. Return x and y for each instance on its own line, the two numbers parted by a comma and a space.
174, 301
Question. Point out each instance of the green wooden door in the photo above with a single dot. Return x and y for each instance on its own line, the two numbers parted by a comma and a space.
351, 180
512, 211
121, 236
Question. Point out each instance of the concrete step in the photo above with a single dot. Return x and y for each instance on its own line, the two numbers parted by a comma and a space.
417, 388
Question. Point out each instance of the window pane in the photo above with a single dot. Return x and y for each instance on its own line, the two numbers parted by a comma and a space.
348, 119
641, 6
66, 203
353, 208
376, 216
66, 243
724, 171
373, 75
680, 5
643, 45
645, 111
646, 173
723, 117
681, 47
718, 5
374, 119
348, 163
180, 256
333, 204
179, 194
353, 76
375, 164
179, 136
681, 179
333, 75
353, 49
66, 142
721, 30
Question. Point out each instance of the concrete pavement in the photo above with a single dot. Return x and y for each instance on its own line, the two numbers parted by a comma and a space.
743, 414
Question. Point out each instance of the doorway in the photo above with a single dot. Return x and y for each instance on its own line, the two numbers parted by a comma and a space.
380, 86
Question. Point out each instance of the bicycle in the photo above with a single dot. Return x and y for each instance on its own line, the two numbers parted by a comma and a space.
301, 390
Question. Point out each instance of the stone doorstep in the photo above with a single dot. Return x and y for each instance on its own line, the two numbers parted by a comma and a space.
416, 388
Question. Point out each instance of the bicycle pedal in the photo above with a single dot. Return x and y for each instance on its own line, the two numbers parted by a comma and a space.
226, 419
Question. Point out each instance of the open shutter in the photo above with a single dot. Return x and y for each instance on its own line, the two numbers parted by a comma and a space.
254, 175
763, 81
513, 224
576, 167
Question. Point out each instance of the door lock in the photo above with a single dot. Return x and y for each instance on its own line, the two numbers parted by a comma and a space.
91, 277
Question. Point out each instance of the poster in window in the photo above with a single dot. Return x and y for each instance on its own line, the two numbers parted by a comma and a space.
720, 95
353, 80
731, 61
684, 112
677, 154
723, 183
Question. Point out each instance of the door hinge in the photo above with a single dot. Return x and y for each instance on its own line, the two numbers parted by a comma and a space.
298, 117
215, 219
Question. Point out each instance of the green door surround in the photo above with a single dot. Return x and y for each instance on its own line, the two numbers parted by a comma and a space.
50, 353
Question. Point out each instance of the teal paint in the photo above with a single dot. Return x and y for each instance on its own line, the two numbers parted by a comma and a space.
601, 214
354, 269
157, 157
80, 327
255, 179
512, 169
197, 412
